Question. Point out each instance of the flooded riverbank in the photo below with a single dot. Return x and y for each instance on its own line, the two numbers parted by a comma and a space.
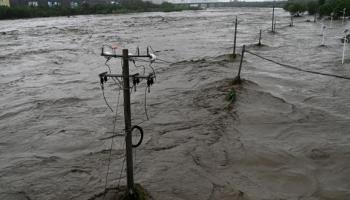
287, 136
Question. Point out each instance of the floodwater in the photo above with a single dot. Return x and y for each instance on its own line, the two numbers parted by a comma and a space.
286, 137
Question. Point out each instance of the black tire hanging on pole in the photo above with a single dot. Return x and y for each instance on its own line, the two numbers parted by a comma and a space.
141, 138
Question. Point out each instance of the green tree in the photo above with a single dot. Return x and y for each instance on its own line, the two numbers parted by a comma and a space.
312, 7
295, 7
321, 2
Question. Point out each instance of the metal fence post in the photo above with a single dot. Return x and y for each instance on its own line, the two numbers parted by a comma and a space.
237, 80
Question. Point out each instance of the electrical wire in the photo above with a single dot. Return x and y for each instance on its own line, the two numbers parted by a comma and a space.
141, 60
106, 63
135, 149
154, 72
299, 69
298, 122
138, 66
145, 104
112, 142
153, 51
105, 99
157, 60
165, 61
121, 171
115, 79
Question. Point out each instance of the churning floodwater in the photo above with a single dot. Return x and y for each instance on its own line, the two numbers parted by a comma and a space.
286, 137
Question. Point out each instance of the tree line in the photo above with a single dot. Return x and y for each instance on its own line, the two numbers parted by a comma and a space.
125, 6
322, 7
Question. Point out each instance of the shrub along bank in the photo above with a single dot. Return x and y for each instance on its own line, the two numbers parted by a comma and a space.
323, 7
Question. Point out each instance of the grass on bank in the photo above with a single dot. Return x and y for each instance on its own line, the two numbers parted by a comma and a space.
231, 96
119, 193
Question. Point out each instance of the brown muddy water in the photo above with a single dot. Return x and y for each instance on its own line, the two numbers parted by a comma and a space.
287, 136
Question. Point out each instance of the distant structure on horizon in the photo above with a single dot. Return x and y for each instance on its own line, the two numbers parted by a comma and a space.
226, 3
192, 1
53, 3
5, 3
77, 3
186, 1
157, 1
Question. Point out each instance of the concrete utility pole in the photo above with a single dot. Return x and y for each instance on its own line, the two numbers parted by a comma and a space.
127, 120
131, 193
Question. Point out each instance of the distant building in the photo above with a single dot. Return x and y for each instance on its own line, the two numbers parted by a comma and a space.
5, 3
36, 3
53, 3
187, 1
156, 1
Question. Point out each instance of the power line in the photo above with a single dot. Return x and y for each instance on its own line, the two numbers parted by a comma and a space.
299, 69
165, 61
112, 142
115, 79
121, 171
145, 104
105, 99
298, 122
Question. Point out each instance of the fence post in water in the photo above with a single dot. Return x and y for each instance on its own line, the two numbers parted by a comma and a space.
332, 14
259, 44
237, 80
235, 38
344, 48
324, 27
273, 18
315, 17
344, 11
127, 118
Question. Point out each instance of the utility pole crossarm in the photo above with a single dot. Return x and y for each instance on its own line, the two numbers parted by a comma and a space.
131, 76
114, 55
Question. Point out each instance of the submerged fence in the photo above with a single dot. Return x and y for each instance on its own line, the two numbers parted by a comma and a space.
244, 50
272, 30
